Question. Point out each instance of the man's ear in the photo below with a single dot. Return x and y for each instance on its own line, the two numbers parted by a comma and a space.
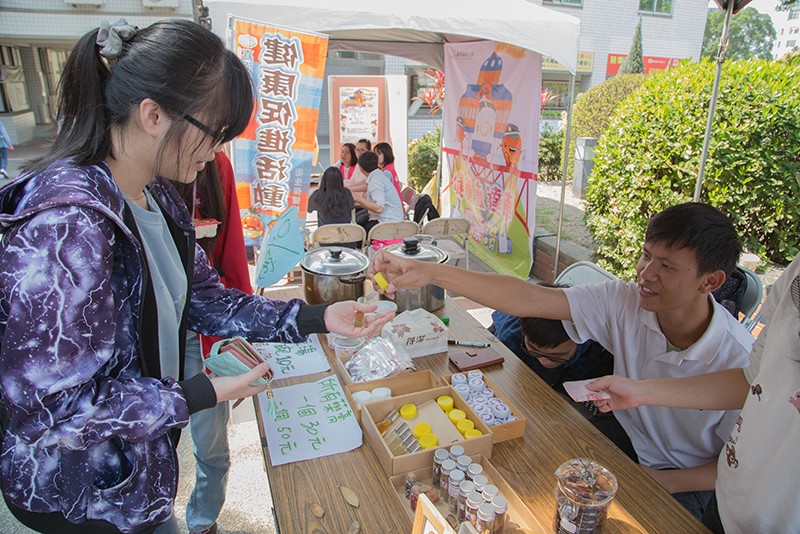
713, 280
153, 118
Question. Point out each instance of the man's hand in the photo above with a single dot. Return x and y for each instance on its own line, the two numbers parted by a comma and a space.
340, 318
625, 393
401, 273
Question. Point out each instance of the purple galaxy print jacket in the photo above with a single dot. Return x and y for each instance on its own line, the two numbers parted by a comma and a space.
87, 432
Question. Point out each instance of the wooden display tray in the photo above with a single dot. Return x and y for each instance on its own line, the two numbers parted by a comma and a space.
519, 518
505, 431
400, 385
393, 465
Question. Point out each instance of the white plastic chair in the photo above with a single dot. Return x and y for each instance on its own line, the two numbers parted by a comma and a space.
584, 272
334, 234
387, 231
443, 228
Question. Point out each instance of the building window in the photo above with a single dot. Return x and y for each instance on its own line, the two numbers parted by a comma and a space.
13, 92
576, 3
794, 14
794, 29
791, 43
658, 7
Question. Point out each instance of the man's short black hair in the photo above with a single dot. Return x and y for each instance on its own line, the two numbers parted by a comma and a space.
544, 333
368, 161
701, 228
366, 142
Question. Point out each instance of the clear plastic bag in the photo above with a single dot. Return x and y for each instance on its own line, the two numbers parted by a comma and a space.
378, 358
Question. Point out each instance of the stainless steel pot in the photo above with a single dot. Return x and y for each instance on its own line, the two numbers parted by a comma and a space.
429, 297
333, 274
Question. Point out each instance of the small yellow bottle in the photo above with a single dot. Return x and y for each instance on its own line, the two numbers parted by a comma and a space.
408, 411
456, 415
429, 441
445, 402
473, 433
420, 429
464, 425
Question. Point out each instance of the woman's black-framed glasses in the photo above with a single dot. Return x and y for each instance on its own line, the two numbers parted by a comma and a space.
217, 136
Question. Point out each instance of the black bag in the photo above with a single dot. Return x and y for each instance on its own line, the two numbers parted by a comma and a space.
731, 293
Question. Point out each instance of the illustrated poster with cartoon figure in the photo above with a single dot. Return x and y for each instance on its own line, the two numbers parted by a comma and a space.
491, 149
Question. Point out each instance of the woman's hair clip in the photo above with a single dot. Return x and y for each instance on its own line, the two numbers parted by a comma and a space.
111, 36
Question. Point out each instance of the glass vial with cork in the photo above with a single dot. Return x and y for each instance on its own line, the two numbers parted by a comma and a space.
474, 500
485, 522
500, 508
464, 491
438, 457
453, 489
444, 477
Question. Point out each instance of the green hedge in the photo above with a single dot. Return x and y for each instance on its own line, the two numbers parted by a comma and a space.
594, 110
649, 158
551, 143
423, 157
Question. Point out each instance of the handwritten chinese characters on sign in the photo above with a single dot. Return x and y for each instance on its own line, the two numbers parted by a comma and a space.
294, 359
312, 420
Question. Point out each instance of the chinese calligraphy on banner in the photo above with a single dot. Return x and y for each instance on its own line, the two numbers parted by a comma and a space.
273, 156
491, 148
312, 420
294, 359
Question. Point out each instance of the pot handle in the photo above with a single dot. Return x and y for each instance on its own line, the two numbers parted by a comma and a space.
357, 279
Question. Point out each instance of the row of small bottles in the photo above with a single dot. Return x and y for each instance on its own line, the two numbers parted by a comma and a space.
465, 489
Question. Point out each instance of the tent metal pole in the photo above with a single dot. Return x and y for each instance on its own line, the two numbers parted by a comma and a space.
723, 47
564, 174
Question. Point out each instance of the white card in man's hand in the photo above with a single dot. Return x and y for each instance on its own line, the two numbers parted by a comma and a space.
577, 390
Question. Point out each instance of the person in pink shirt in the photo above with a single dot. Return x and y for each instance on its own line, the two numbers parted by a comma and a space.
386, 163
347, 163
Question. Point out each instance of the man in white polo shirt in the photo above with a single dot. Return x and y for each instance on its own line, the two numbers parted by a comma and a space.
666, 324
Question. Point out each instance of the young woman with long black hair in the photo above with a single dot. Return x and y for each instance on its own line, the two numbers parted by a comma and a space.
333, 202
101, 279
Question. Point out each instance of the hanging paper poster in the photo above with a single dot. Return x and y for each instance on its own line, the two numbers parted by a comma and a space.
358, 109
491, 148
311, 420
294, 359
273, 157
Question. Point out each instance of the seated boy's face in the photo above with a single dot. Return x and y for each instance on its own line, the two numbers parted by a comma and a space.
668, 278
550, 357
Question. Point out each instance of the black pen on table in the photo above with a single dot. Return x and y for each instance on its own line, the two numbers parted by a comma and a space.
468, 343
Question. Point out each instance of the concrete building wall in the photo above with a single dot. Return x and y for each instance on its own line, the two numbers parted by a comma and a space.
787, 30
33, 22
607, 27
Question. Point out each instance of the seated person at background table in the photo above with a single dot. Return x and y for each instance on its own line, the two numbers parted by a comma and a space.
357, 183
332, 201
758, 472
348, 162
663, 325
386, 163
382, 201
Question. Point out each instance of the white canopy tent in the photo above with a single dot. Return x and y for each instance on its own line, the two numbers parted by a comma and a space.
418, 30
415, 29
